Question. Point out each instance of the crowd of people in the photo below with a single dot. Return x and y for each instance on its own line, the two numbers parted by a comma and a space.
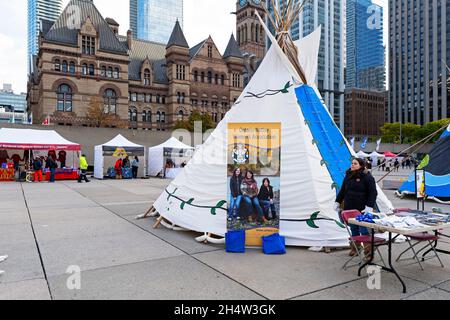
249, 202
393, 165
36, 163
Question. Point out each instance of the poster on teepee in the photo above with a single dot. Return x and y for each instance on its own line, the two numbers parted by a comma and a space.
253, 184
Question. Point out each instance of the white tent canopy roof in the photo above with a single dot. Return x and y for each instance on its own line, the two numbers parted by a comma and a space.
121, 141
173, 143
34, 140
362, 154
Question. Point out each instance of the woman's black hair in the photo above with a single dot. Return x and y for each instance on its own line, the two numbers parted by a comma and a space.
362, 163
234, 172
253, 175
264, 180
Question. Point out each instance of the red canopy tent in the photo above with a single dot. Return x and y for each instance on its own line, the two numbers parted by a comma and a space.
389, 155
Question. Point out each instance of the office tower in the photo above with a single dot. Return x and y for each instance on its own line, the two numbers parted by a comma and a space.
40, 12
419, 38
153, 20
365, 68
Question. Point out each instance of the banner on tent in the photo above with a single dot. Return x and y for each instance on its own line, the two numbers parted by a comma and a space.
254, 167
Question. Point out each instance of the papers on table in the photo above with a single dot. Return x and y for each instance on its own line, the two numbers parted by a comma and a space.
403, 223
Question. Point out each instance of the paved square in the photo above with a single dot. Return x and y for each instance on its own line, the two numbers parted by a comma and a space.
46, 228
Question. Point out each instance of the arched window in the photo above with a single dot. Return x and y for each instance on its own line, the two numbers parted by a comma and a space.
110, 101
57, 65
116, 73
64, 97
158, 117
196, 76
222, 80
183, 97
210, 77
91, 70
147, 116
252, 32
216, 78
180, 115
163, 100
132, 115
110, 72
64, 66
203, 77
72, 67
103, 71
147, 77
257, 33
84, 69
158, 98
163, 117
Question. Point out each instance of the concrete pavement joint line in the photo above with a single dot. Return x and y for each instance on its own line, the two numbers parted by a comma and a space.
327, 288
185, 252
36, 241
418, 292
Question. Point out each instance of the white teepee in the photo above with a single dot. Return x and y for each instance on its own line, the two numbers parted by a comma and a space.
314, 156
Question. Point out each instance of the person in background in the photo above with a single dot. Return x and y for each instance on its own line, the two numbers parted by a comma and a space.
135, 167
62, 156
126, 162
51, 165
16, 160
83, 169
37, 167
118, 167
358, 192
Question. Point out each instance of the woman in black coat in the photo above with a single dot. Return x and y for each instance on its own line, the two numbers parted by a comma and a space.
358, 192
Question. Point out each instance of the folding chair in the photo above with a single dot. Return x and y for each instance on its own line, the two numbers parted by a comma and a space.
419, 238
352, 214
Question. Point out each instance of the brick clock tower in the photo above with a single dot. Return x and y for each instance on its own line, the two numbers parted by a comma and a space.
250, 33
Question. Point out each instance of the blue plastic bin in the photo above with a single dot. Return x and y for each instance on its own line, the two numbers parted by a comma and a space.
235, 241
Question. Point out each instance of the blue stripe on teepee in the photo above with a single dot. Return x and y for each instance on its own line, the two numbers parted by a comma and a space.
327, 136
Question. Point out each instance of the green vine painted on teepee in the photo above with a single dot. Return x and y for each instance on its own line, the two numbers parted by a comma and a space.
270, 92
190, 202
334, 186
324, 163
311, 222
339, 224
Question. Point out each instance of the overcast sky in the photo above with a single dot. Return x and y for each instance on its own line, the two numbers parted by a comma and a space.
201, 18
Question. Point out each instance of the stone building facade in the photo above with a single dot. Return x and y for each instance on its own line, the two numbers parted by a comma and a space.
141, 85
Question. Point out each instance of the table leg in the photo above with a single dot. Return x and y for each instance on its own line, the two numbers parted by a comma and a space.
392, 270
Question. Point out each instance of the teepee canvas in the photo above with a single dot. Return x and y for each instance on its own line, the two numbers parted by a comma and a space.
315, 156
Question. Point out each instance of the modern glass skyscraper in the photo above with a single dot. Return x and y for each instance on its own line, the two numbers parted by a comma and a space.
39, 10
419, 37
153, 20
329, 14
365, 51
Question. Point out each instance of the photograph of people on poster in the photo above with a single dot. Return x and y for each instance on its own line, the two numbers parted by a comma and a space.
254, 154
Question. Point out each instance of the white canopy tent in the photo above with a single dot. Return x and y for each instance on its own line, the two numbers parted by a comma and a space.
172, 149
107, 150
362, 154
